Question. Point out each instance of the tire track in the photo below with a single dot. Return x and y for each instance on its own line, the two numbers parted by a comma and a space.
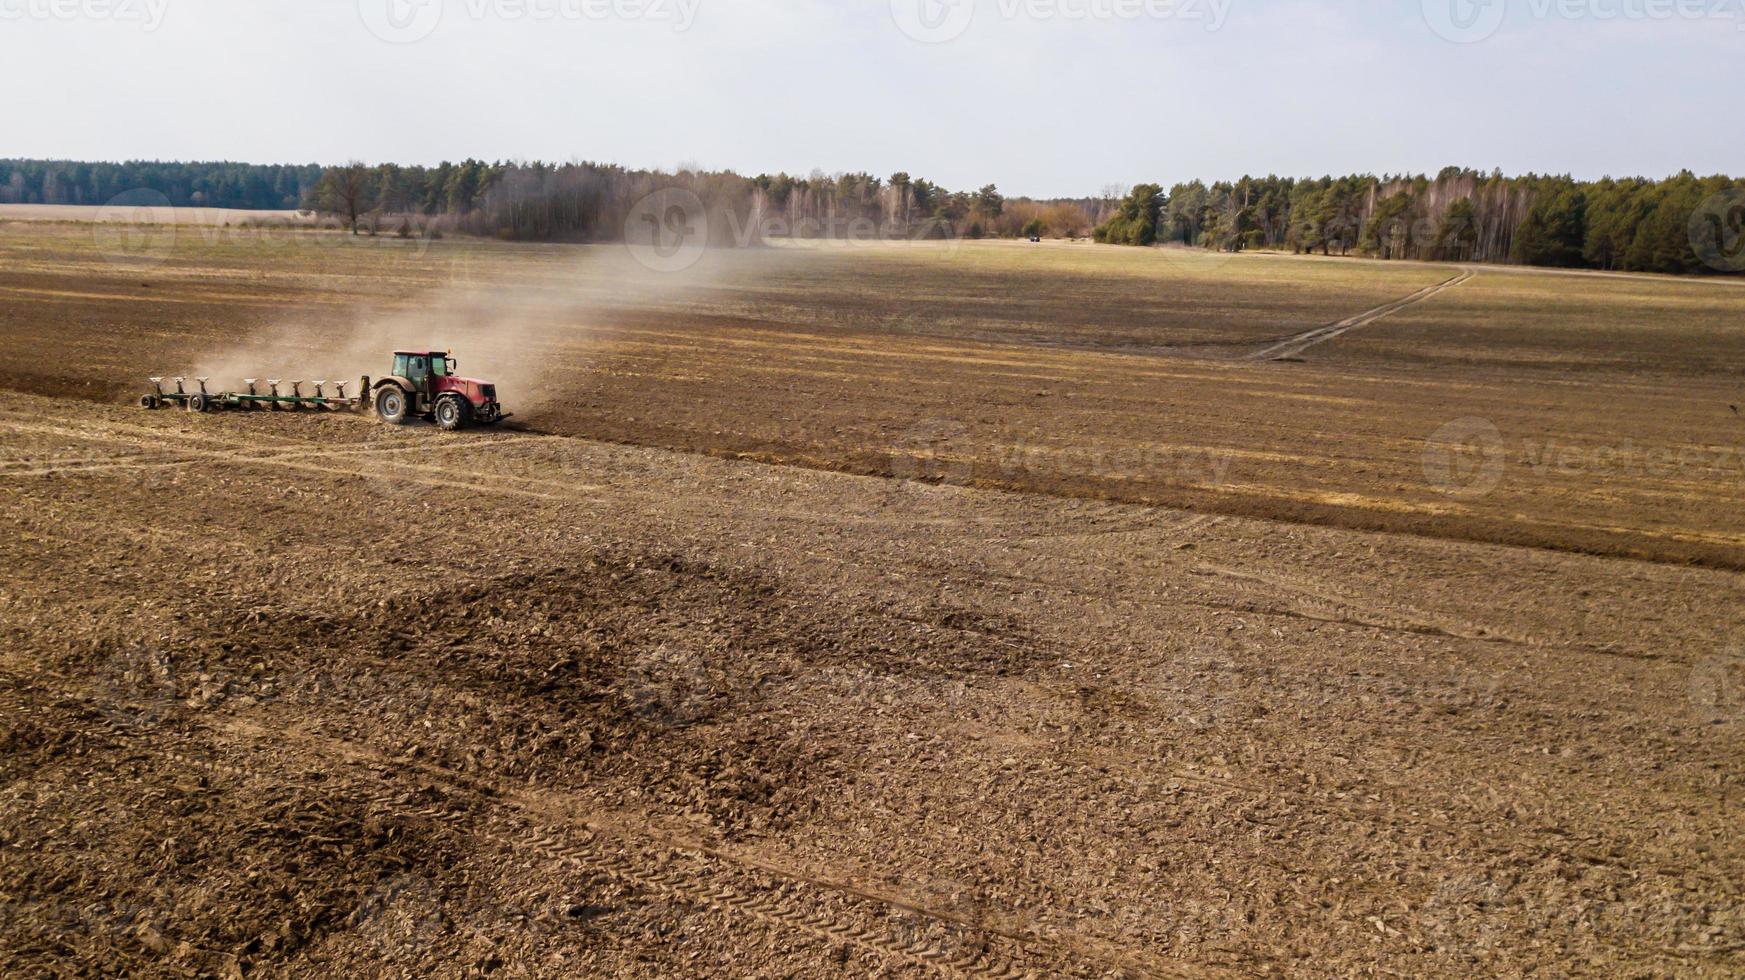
175, 449
1309, 338
781, 911
296, 458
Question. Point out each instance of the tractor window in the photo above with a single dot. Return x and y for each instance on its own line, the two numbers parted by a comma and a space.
400, 368
439, 366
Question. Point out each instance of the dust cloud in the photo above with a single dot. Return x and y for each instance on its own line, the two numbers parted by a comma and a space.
516, 315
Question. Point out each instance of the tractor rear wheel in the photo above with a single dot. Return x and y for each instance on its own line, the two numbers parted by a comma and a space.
451, 412
391, 405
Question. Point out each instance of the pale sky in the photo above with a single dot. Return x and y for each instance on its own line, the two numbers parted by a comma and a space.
1043, 97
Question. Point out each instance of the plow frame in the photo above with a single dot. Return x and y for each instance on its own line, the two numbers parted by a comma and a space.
254, 400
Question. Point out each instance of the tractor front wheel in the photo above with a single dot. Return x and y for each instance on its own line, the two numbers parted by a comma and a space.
451, 412
391, 405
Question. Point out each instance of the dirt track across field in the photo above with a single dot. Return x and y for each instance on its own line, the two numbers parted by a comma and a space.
1320, 335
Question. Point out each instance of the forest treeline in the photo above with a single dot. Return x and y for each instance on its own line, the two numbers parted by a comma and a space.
255, 187
1681, 224
1677, 224
546, 202
593, 202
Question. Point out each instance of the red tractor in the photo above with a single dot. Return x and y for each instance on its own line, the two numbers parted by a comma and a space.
424, 384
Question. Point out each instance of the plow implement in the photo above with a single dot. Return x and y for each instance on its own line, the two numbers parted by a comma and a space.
273, 399
423, 385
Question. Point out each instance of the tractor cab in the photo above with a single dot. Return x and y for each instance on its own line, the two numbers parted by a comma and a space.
423, 383
421, 367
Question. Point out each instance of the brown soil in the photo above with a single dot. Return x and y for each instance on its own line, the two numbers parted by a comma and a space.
1565, 412
303, 694
288, 693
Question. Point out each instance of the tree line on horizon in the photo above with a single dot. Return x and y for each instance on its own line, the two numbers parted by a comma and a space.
1681, 224
1634, 224
249, 186
593, 202
551, 202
